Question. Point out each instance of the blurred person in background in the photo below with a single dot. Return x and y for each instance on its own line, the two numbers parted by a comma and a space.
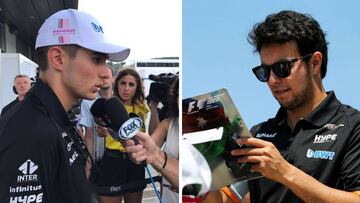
21, 86
116, 168
94, 141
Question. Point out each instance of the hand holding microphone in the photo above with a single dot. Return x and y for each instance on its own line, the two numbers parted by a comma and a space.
146, 150
112, 114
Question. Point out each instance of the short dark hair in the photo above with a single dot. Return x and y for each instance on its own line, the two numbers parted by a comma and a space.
288, 26
41, 53
139, 96
21, 76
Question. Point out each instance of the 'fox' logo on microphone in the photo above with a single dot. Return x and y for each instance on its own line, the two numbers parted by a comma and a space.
130, 128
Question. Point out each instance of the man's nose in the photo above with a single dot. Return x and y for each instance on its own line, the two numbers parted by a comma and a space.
273, 78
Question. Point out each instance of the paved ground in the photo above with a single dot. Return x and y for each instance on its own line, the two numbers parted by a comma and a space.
149, 195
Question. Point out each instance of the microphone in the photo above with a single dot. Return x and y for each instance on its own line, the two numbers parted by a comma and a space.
97, 109
113, 114
98, 112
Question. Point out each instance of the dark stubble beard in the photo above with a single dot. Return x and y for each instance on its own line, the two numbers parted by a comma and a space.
302, 97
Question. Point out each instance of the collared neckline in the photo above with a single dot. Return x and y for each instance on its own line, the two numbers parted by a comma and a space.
324, 111
319, 116
51, 102
280, 117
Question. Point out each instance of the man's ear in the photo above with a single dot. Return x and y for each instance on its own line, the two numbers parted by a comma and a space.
56, 56
315, 63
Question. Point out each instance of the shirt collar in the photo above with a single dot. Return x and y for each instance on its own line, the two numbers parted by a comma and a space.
325, 110
319, 116
280, 117
51, 102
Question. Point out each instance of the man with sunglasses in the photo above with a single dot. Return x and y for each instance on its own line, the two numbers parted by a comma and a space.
310, 150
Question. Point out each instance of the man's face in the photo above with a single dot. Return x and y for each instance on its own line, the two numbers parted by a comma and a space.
22, 85
296, 89
81, 75
106, 78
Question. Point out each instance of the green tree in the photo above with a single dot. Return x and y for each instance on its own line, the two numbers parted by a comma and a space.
115, 66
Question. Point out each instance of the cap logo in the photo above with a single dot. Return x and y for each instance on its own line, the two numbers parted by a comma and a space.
63, 30
97, 28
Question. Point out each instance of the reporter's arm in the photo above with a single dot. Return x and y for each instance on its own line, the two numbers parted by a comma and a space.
171, 169
160, 133
149, 151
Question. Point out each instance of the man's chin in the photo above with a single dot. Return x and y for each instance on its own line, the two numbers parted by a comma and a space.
289, 105
90, 96
283, 103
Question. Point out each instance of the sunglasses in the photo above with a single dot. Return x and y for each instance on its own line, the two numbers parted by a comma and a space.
282, 68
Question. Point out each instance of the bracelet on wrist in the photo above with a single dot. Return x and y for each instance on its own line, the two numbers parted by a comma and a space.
165, 162
162, 169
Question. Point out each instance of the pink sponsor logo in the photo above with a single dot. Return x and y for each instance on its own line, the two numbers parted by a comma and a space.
69, 31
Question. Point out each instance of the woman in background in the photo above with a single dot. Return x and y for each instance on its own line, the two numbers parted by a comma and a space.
116, 167
165, 161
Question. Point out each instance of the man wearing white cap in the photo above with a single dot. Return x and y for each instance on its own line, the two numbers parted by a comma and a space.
42, 157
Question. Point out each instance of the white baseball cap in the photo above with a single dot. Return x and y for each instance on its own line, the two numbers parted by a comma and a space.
195, 169
76, 27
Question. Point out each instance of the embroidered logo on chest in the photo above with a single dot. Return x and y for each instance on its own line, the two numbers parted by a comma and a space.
324, 138
320, 154
266, 135
331, 126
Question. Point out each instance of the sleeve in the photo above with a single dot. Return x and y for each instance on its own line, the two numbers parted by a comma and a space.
350, 169
254, 129
86, 118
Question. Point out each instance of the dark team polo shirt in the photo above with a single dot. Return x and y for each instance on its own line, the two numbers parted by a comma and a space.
41, 156
325, 145
7, 107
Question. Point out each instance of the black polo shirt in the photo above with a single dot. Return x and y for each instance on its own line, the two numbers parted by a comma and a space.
7, 107
325, 145
42, 159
